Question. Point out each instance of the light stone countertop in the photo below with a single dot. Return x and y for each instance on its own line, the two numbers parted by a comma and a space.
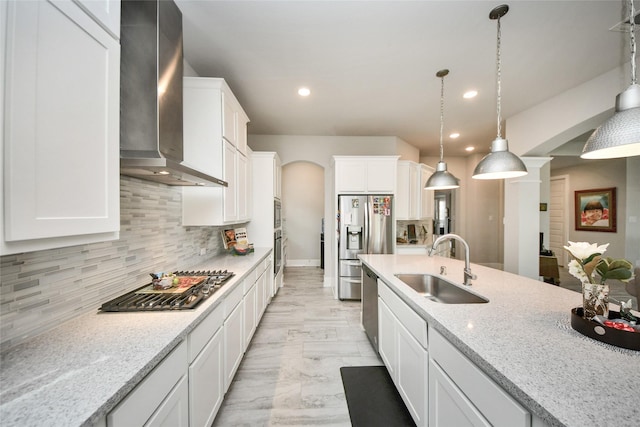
524, 341
78, 372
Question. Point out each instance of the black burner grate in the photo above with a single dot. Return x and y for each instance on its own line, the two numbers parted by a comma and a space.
146, 299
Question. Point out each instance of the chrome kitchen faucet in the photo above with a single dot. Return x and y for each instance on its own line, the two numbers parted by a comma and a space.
468, 275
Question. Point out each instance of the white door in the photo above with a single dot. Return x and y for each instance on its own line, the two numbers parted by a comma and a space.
559, 218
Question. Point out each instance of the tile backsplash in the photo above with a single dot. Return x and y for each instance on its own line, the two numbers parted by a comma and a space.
40, 290
424, 233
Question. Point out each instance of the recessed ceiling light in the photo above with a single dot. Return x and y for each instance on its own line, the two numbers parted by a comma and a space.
470, 148
470, 94
454, 135
304, 91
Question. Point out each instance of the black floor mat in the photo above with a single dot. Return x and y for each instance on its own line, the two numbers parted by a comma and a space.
372, 398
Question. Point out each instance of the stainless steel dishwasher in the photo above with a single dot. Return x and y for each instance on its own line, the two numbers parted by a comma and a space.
370, 305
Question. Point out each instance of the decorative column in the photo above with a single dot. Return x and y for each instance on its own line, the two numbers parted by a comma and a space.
522, 220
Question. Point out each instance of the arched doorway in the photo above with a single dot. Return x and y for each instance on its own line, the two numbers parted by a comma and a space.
302, 212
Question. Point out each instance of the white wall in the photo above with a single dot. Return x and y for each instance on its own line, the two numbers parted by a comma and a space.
320, 150
458, 167
632, 235
303, 210
545, 197
477, 210
550, 124
600, 174
407, 151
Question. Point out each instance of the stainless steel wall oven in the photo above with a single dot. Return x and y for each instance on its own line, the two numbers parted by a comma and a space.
277, 251
277, 213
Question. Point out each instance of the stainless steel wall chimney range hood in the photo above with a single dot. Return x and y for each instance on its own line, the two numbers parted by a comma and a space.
151, 144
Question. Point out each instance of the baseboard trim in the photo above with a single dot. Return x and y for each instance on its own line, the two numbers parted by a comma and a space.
303, 263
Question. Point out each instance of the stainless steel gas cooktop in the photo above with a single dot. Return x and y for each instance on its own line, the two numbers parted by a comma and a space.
190, 289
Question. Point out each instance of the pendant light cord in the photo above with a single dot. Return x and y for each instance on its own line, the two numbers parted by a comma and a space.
498, 85
441, 117
632, 22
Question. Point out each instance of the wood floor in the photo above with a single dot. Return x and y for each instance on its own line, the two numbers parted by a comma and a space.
290, 375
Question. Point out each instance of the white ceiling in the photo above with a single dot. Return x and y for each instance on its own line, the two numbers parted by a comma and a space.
371, 65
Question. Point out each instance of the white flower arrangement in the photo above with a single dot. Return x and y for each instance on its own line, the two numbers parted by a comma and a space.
588, 260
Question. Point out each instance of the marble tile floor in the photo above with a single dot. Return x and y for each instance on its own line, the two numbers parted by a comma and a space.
290, 374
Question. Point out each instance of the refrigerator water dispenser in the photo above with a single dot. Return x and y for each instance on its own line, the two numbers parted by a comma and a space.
354, 241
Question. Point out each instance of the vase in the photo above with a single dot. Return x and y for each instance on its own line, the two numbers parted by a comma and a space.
595, 300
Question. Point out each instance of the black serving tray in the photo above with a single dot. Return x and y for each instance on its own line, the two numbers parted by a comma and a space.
596, 331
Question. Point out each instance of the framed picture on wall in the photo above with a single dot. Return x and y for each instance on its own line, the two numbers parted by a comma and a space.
596, 210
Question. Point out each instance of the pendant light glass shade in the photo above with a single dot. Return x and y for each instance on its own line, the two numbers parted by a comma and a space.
620, 135
441, 178
500, 163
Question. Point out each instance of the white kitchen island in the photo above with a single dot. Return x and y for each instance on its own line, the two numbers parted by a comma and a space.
523, 341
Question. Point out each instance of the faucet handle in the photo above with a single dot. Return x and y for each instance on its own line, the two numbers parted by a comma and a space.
443, 270
468, 277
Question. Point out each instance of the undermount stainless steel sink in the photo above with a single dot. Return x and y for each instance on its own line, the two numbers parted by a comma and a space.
440, 290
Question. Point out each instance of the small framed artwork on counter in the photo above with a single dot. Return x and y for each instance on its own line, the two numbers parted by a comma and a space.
595, 210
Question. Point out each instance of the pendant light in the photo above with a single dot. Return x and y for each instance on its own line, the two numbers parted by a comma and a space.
442, 179
500, 162
620, 135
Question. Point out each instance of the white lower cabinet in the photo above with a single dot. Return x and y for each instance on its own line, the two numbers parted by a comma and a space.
250, 315
188, 386
264, 288
412, 374
160, 399
440, 386
461, 394
402, 337
233, 336
387, 337
448, 405
261, 298
206, 368
173, 412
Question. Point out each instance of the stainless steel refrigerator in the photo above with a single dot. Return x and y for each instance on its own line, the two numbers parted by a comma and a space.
365, 227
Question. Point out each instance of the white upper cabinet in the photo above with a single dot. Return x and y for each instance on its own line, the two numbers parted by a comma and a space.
407, 202
243, 187
277, 177
105, 12
365, 174
234, 126
229, 123
413, 201
61, 127
242, 121
426, 196
230, 201
216, 145
265, 184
